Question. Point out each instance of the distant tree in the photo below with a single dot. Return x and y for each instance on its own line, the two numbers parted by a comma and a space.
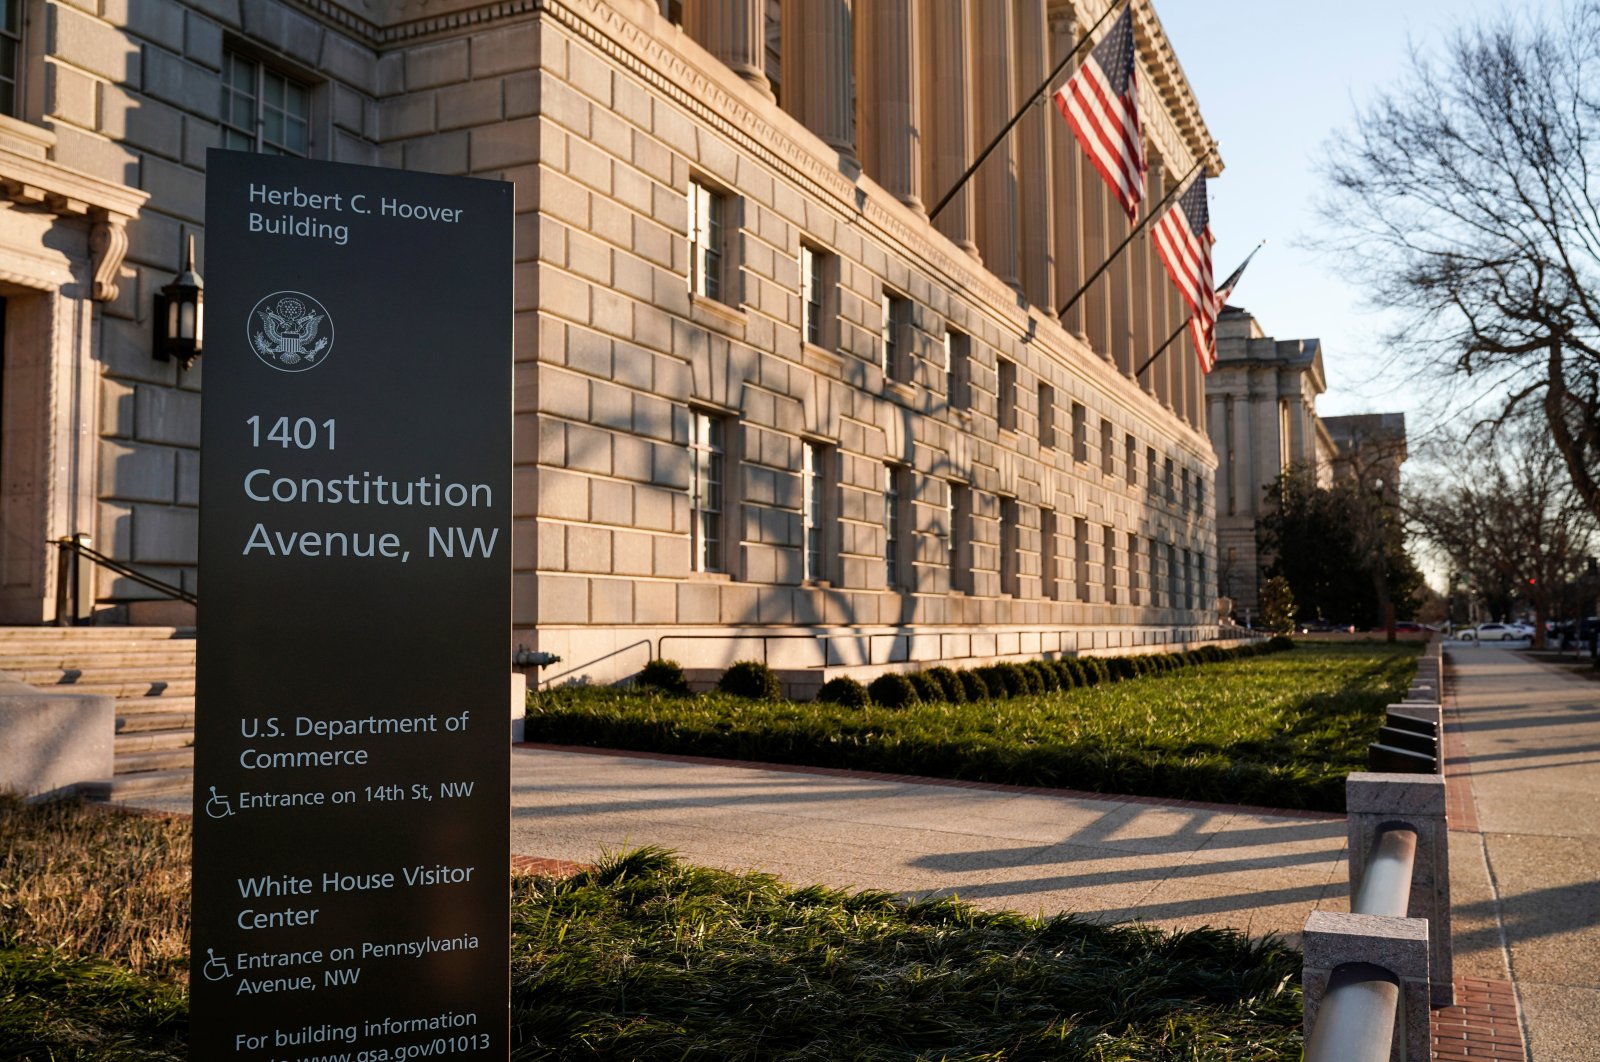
1508, 518
1278, 608
1341, 547
1468, 198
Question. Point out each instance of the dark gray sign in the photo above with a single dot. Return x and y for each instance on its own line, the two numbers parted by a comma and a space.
351, 782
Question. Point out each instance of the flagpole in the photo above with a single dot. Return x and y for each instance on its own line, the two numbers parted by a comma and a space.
1112, 257
933, 214
1173, 338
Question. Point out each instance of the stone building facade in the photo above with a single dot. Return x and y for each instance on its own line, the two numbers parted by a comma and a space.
1263, 418
765, 407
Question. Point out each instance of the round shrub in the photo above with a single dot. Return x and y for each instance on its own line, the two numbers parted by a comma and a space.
954, 692
1279, 642
973, 685
1073, 668
994, 680
1014, 679
1030, 681
1046, 676
1213, 654
1120, 668
1193, 658
752, 679
1066, 673
663, 675
892, 690
1094, 671
928, 688
844, 691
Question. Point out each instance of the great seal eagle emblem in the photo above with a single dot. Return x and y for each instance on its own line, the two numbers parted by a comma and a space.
291, 331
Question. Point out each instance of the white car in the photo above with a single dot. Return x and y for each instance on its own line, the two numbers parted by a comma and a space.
1497, 632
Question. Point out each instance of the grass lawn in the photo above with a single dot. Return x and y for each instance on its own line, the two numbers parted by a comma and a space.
1280, 730
648, 958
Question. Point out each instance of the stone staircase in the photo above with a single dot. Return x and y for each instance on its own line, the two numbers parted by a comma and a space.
149, 671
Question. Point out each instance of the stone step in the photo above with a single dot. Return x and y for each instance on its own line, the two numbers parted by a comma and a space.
153, 760
148, 783
144, 722
55, 677
69, 658
119, 689
137, 741
178, 702
91, 635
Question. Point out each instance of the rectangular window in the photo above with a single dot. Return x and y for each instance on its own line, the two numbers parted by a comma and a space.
1130, 460
894, 500
707, 222
1080, 433
1167, 483
1183, 494
1135, 583
1155, 573
1049, 557
815, 463
1108, 454
707, 469
1010, 549
1006, 394
672, 11
1172, 577
896, 320
1188, 579
818, 308
1150, 482
1047, 417
959, 514
262, 110
1204, 598
10, 56
1199, 493
1080, 545
958, 368
1111, 576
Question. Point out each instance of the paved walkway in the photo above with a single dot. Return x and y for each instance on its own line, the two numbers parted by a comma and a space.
999, 847
1525, 881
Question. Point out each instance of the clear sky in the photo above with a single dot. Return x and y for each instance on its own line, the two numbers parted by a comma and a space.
1275, 79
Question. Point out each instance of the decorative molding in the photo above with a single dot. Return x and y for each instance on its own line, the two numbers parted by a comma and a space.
34, 181
108, 245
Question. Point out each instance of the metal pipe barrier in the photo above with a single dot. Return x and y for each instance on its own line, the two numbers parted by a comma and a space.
1359, 1015
73, 550
1371, 976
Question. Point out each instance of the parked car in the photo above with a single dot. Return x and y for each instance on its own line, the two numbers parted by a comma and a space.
1498, 632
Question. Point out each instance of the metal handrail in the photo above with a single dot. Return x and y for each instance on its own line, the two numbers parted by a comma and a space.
71, 548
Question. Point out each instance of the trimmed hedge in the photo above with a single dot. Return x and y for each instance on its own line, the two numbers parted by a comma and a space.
664, 675
1005, 679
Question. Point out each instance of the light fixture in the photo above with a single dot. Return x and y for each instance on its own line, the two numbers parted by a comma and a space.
180, 314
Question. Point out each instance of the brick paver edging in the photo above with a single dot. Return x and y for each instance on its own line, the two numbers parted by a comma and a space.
1483, 1026
952, 783
1460, 807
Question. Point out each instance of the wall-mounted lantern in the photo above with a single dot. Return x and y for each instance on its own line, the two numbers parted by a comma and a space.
180, 315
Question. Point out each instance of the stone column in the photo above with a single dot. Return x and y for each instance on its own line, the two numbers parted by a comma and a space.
1141, 255
997, 179
949, 110
734, 31
819, 70
891, 125
1120, 276
1037, 204
1096, 302
1066, 174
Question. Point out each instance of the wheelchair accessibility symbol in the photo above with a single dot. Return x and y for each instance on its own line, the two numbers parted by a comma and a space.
215, 969
218, 807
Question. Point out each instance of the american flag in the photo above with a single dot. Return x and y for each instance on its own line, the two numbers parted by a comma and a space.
1183, 239
1101, 104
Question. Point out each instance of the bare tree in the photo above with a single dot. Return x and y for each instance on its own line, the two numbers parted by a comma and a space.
1468, 196
1507, 516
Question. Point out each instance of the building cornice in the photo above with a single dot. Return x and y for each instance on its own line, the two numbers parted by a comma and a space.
29, 178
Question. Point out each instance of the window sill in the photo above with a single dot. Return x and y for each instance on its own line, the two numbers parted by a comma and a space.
832, 357
899, 389
710, 577
25, 138
713, 314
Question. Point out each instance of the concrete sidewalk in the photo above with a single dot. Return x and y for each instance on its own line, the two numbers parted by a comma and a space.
1525, 851
1032, 851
